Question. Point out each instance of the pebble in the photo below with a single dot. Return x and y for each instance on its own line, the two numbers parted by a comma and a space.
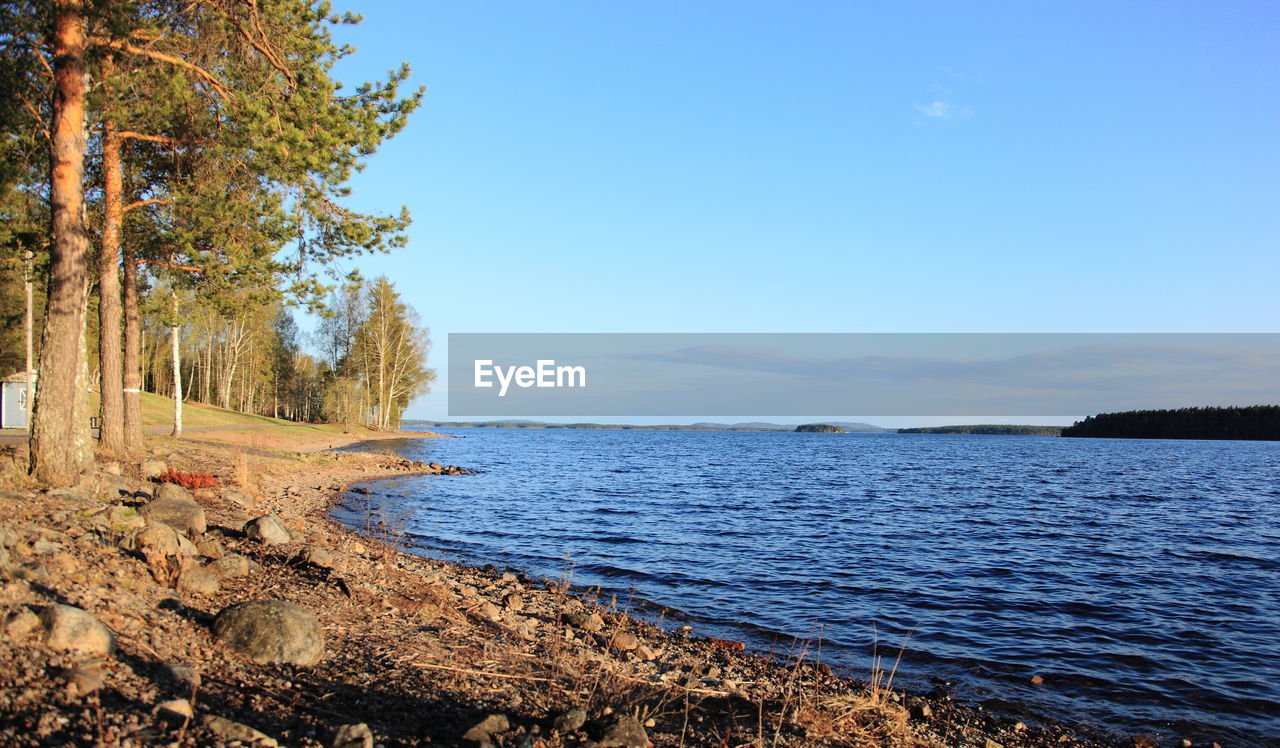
180, 675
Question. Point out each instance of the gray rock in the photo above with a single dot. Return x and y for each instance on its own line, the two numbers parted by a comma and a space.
621, 731
317, 556
200, 582
270, 631
571, 720
268, 529
70, 628
354, 736
228, 730
233, 566
481, 731
153, 468
183, 676
236, 496
181, 513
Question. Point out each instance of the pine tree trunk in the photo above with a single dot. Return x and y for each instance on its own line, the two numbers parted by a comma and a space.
111, 409
82, 441
28, 281
132, 378
54, 459
177, 368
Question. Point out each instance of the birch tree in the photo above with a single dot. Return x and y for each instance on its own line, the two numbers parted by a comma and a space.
391, 348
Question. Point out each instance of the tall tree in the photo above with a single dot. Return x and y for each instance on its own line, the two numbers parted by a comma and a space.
391, 349
55, 456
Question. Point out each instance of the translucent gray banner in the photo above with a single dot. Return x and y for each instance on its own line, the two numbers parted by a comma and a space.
868, 374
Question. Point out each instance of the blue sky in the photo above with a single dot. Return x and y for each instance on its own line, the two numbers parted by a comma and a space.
830, 167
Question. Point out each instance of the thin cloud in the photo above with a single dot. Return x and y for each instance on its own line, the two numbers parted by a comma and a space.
944, 110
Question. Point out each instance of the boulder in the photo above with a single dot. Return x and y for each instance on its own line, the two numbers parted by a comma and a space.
182, 513
625, 642
70, 628
268, 529
270, 631
153, 468
354, 736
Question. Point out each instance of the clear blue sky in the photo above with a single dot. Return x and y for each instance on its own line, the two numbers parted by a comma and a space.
831, 167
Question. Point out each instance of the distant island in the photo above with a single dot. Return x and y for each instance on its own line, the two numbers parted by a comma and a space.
1254, 423
820, 428
987, 429
844, 426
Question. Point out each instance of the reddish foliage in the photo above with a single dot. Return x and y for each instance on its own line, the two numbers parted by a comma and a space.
732, 646
189, 481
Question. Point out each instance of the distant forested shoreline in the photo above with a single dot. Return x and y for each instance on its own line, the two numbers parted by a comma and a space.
1254, 422
995, 429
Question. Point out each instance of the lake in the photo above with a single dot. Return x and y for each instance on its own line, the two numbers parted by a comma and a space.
1139, 578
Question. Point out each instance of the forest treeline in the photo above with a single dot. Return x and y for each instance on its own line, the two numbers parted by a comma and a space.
174, 182
990, 429
1254, 422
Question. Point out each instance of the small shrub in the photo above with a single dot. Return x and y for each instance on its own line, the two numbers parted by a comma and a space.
190, 481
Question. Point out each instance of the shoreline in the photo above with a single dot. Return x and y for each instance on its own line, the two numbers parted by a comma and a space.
418, 650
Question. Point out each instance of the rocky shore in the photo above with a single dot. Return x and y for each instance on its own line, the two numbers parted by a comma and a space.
135, 612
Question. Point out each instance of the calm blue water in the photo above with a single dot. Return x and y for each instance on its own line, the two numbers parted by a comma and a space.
1140, 578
